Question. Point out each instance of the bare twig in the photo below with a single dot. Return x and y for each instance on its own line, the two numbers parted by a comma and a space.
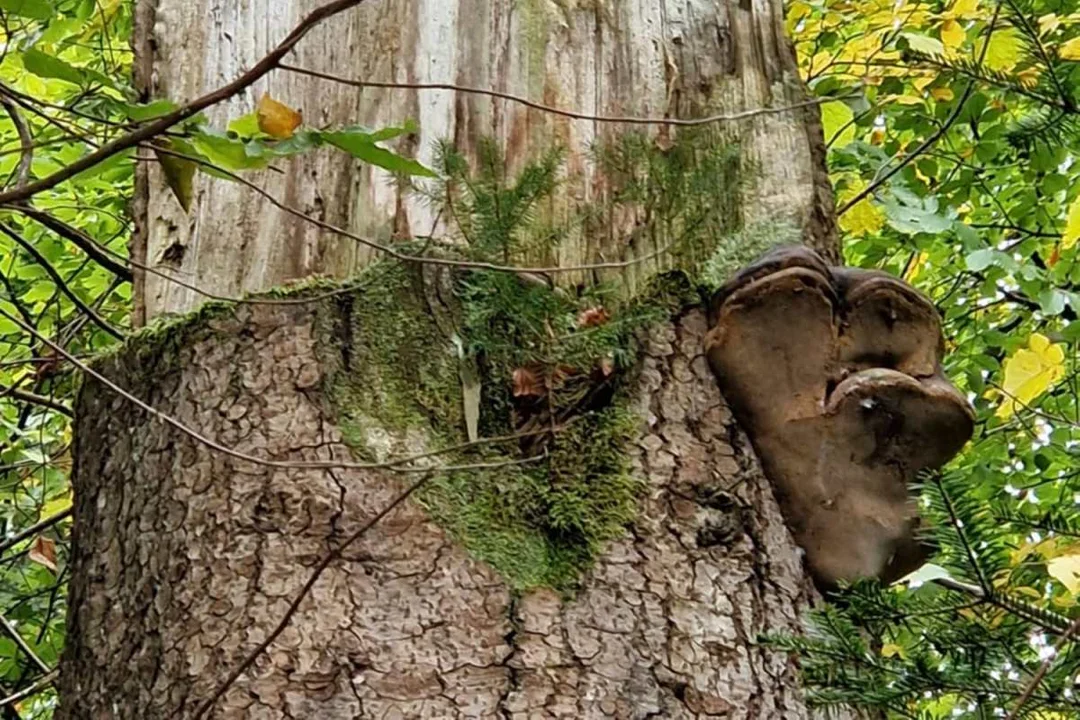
326, 561
572, 114
13, 633
396, 465
407, 257
59, 281
26, 142
78, 238
42, 683
34, 529
36, 399
155, 128
1033, 685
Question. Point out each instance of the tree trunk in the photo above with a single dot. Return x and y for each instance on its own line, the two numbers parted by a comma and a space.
657, 58
185, 559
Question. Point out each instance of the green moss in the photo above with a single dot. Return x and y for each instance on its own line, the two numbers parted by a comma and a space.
393, 367
543, 523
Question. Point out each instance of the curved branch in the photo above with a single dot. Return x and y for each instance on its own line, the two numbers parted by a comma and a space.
155, 128
77, 238
26, 142
59, 281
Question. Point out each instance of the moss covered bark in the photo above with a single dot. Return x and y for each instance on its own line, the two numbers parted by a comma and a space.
184, 558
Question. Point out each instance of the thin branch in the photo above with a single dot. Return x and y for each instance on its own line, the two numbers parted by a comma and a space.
395, 465
35, 399
1043, 669
406, 257
326, 561
59, 281
13, 633
572, 114
77, 237
34, 529
26, 142
34, 689
155, 128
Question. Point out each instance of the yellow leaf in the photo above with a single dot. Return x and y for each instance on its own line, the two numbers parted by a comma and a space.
277, 119
965, 8
952, 34
1049, 23
915, 267
907, 100
1066, 570
1072, 225
922, 81
796, 12
1028, 77
1006, 48
862, 218
1070, 49
942, 94
1030, 372
893, 650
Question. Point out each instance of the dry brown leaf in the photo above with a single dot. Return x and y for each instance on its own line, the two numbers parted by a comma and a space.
277, 119
527, 383
43, 552
594, 316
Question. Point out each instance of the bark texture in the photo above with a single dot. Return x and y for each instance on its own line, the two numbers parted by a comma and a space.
658, 58
184, 559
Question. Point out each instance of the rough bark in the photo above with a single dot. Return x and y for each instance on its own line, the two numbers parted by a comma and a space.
659, 58
184, 559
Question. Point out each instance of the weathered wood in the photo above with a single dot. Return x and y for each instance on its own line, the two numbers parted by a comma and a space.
665, 58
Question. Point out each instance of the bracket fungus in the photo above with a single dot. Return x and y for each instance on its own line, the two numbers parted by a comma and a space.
836, 375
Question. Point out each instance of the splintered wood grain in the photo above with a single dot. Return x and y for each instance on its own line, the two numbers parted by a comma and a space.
666, 58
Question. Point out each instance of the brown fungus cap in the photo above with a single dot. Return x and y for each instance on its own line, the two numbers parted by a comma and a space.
836, 375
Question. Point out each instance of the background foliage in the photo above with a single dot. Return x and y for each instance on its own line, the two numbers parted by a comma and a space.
952, 131
953, 156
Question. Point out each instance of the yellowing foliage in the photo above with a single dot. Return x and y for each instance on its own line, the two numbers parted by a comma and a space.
276, 119
1030, 372
1066, 570
864, 217
1072, 226
1005, 50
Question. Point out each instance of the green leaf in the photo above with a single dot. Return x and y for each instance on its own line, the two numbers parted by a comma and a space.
35, 9
375, 155
837, 122
246, 126
1052, 301
179, 172
47, 66
916, 215
979, 260
148, 111
226, 152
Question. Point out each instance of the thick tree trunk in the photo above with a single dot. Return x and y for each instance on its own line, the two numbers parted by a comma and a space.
657, 58
185, 559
